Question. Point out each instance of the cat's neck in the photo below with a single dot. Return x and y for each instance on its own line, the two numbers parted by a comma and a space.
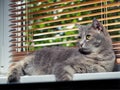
102, 55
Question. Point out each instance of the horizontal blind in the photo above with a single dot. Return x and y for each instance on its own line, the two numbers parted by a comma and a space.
39, 23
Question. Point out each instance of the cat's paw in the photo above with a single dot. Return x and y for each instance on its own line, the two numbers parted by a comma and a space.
13, 77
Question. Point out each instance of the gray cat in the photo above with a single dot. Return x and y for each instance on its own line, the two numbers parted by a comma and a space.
94, 54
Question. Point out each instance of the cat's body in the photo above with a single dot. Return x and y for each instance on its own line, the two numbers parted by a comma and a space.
94, 54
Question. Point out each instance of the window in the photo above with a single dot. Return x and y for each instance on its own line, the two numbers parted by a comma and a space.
39, 23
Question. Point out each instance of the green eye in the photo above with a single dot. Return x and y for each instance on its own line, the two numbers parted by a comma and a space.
88, 37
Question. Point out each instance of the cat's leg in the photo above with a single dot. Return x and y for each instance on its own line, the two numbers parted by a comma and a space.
20, 68
97, 68
63, 72
15, 72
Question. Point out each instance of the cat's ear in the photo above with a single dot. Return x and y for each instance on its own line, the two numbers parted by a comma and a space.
97, 25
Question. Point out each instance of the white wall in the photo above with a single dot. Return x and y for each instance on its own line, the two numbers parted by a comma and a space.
4, 36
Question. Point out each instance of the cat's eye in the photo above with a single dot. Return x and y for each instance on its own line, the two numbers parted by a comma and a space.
88, 37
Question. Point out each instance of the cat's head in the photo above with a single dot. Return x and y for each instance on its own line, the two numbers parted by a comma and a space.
92, 37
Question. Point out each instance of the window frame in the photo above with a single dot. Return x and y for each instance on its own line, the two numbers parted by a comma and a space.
4, 34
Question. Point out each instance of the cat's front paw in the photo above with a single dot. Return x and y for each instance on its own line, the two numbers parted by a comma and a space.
13, 77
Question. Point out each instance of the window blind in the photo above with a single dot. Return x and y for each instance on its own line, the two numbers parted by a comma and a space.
39, 23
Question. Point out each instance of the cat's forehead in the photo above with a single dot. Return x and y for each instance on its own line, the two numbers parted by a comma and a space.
85, 28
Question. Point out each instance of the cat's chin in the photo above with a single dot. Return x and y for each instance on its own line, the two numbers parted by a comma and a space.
84, 51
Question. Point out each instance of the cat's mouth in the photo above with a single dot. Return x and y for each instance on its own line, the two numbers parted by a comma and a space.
85, 50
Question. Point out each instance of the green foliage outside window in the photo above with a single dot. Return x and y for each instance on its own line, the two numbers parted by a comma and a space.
63, 22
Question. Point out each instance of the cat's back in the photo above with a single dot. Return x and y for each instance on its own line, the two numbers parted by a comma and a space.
56, 53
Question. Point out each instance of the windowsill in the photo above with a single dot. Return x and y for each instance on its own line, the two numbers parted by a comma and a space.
51, 78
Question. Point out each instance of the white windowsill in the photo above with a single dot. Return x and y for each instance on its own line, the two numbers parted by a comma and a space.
51, 78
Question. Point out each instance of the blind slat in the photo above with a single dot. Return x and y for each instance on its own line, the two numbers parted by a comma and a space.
113, 30
18, 58
18, 36
21, 41
46, 33
49, 44
14, 31
56, 37
14, 47
116, 43
115, 36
